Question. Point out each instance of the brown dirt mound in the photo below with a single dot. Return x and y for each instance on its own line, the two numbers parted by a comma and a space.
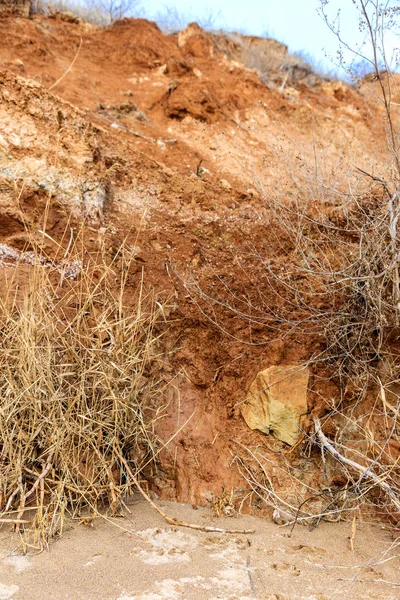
132, 43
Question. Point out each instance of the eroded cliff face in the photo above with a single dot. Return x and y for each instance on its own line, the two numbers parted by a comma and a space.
175, 145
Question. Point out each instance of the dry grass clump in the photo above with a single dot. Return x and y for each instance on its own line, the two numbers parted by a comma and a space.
98, 12
276, 67
76, 391
261, 54
72, 9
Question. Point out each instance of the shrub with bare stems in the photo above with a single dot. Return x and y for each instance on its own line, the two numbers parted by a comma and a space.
98, 12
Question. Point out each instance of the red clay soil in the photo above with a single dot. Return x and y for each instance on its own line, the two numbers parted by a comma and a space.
180, 148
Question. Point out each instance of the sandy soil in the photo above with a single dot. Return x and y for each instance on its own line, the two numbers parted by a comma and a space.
142, 558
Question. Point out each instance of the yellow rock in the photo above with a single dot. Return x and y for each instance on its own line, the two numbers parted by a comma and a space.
277, 402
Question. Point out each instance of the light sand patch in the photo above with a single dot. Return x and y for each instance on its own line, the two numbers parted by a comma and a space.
94, 559
230, 583
167, 546
233, 581
228, 554
7, 591
18, 562
167, 589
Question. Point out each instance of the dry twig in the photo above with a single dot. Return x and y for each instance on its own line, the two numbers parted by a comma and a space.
170, 520
365, 472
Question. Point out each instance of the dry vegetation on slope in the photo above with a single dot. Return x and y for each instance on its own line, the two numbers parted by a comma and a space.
229, 188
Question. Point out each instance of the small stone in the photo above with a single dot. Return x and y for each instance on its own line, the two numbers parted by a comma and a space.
225, 184
281, 517
69, 17
14, 139
277, 402
3, 142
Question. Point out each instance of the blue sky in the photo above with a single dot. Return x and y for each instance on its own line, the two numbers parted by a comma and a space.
294, 22
284, 17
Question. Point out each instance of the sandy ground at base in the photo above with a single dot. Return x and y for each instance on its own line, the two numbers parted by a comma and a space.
141, 557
